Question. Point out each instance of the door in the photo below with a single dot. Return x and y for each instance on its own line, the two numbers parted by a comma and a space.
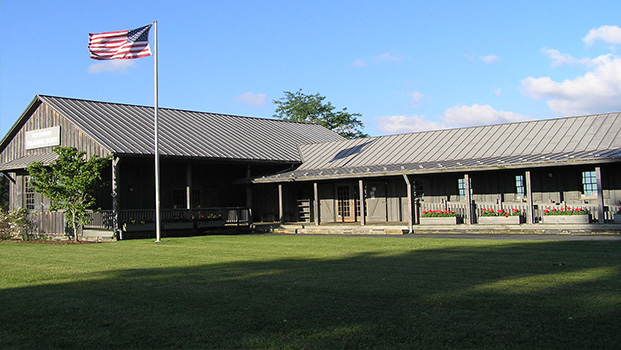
346, 203
376, 202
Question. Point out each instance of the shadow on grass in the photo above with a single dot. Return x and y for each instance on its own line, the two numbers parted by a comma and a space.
528, 295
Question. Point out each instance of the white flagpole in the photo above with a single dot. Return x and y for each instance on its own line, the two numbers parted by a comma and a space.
158, 222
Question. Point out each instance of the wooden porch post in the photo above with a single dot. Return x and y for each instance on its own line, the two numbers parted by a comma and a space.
530, 215
600, 195
115, 194
409, 190
316, 203
281, 215
248, 191
188, 186
469, 218
361, 190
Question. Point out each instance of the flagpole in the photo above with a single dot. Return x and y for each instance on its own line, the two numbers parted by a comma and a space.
158, 222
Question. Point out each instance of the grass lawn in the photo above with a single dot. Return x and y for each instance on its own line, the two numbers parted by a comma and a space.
311, 292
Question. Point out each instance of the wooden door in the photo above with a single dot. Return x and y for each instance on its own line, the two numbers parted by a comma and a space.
346, 203
376, 202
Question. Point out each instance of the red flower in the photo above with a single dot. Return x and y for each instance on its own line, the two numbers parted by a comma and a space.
546, 211
500, 211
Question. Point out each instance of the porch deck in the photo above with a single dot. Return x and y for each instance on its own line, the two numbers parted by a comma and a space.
400, 228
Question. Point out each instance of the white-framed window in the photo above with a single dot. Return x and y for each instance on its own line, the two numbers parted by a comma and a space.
461, 187
29, 193
589, 184
520, 189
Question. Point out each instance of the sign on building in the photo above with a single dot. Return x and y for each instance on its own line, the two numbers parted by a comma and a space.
43, 138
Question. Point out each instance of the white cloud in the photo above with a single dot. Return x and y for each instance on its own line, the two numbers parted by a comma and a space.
415, 96
396, 124
490, 58
497, 91
459, 116
478, 115
111, 66
608, 34
598, 90
252, 99
359, 63
559, 58
387, 57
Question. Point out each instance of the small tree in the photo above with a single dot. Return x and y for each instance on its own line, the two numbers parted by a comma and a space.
70, 183
300, 107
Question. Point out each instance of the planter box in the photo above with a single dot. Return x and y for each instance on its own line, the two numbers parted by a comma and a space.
617, 218
566, 219
210, 224
500, 220
451, 220
183, 225
139, 227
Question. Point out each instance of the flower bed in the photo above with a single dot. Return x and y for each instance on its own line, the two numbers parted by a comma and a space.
500, 217
438, 217
566, 215
209, 221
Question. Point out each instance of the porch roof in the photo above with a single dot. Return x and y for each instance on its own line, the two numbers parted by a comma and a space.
573, 140
24, 162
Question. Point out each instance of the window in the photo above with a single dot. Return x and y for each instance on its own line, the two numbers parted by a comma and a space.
29, 193
418, 189
520, 190
589, 184
461, 186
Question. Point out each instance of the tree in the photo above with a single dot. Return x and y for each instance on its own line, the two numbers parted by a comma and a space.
70, 183
300, 107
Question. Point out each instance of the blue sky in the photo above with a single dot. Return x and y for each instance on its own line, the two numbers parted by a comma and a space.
404, 65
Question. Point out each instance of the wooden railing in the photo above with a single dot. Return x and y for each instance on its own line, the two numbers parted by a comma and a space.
231, 215
460, 208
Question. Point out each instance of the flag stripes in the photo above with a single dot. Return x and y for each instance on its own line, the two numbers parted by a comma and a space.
125, 44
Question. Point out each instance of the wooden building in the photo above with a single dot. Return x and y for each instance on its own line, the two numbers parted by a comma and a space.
262, 170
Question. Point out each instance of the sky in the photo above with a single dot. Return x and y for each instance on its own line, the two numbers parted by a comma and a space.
406, 66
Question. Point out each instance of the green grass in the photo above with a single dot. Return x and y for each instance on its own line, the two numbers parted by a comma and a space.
311, 292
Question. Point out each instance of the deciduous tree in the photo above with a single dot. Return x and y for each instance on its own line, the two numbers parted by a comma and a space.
300, 107
70, 183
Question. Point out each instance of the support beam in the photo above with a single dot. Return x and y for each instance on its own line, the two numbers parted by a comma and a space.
409, 213
248, 190
362, 202
469, 218
115, 194
188, 186
316, 203
530, 215
281, 214
8, 177
600, 195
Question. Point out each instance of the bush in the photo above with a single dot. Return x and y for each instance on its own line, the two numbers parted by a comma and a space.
14, 224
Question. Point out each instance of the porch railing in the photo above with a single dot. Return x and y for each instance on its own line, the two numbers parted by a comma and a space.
460, 208
231, 215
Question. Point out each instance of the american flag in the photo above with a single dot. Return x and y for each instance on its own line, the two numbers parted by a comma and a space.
125, 44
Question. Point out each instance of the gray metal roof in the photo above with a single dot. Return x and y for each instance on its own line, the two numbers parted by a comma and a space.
24, 162
553, 141
128, 129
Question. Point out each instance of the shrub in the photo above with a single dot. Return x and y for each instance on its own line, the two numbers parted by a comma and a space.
14, 224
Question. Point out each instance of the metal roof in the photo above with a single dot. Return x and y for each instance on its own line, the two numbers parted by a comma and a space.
552, 141
24, 162
128, 129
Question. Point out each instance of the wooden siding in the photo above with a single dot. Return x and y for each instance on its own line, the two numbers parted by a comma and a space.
45, 117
